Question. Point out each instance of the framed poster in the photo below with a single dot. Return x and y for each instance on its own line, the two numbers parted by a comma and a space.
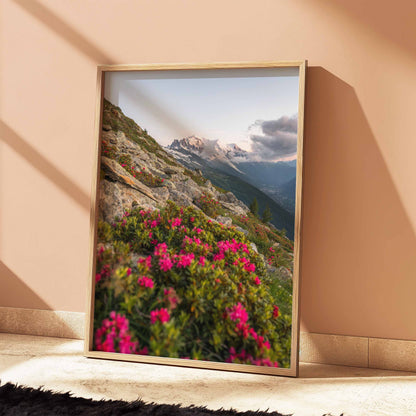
195, 224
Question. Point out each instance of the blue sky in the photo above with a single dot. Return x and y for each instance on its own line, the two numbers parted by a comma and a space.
228, 105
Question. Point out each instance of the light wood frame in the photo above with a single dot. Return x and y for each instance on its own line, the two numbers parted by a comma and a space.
293, 371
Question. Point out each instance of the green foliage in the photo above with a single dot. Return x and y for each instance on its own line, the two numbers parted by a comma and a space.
197, 178
126, 163
114, 117
107, 150
267, 215
272, 243
254, 207
189, 288
148, 179
209, 205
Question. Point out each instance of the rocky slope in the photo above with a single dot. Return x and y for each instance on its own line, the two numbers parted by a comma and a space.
121, 190
137, 171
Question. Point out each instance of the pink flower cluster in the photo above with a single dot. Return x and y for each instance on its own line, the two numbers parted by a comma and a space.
147, 262
249, 267
144, 213
161, 315
171, 297
166, 262
175, 222
201, 261
233, 246
190, 240
238, 312
275, 311
242, 356
114, 336
184, 260
219, 257
145, 281
161, 249
105, 272
152, 223
205, 248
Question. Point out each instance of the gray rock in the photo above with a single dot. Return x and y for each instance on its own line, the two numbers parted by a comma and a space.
181, 199
116, 173
106, 127
254, 247
234, 208
227, 221
284, 273
161, 193
116, 198
171, 170
242, 230
189, 188
229, 201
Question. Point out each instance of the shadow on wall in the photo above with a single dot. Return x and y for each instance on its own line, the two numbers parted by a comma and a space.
43, 165
37, 318
396, 23
358, 243
11, 283
64, 30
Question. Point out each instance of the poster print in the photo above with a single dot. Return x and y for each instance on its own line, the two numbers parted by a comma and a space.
197, 212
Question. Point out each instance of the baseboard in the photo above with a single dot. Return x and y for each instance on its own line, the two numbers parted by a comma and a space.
388, 354
383, 353
41, 322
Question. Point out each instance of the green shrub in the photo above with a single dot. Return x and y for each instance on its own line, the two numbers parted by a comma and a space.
195, 289
209, 205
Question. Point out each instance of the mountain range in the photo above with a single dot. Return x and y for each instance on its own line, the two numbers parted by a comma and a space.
275, 179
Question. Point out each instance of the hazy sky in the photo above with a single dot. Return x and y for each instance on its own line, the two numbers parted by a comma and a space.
229, 105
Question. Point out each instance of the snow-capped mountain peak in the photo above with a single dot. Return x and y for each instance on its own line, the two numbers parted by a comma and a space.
208, 149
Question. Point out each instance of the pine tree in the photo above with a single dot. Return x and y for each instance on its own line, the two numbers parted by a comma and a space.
267, 215
254, 207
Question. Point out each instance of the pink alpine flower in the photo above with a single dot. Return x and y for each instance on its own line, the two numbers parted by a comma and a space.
176, 222
147, 262
201, 261
257, 281
165, 263
262, 343
185, 260
161, 315
171, 297
243, 329
145, 281
238, 312
114, 336
275, 311
250, 267
161, 249
219, 257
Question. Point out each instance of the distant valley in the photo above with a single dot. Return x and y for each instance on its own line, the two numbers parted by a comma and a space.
230, 167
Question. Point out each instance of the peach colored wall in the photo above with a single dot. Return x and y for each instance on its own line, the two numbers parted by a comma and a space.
359, 264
